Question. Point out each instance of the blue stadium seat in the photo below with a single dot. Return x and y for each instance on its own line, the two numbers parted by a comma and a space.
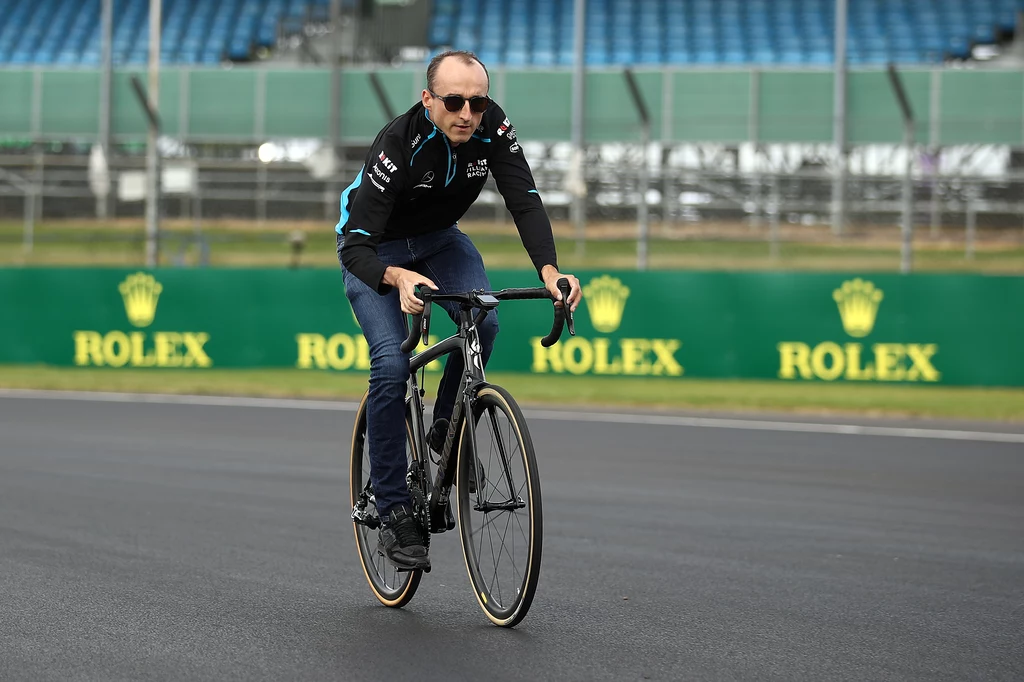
541, 57
531, 32
819, 57
489, 56
741, 31
515, 57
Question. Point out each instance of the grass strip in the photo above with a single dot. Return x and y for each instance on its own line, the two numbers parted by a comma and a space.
994, 404
69, 243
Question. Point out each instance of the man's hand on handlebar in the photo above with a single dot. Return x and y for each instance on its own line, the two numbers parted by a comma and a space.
406, 281
551, 275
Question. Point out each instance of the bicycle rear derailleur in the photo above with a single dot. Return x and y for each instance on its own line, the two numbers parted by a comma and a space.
362, 515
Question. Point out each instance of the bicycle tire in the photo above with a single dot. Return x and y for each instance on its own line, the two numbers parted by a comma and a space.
390, 586
507, 605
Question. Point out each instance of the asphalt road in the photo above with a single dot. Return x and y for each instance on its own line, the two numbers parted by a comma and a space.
151, 541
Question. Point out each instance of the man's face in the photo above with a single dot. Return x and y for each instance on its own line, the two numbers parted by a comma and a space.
454, 77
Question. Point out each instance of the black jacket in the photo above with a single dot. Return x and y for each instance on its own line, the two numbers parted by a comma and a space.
414, 182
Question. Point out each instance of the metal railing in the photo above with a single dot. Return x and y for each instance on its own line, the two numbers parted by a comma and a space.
681, 202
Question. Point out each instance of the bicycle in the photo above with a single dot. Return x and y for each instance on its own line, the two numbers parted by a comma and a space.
507, 469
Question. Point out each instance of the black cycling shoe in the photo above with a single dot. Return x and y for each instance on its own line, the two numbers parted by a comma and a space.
401, 541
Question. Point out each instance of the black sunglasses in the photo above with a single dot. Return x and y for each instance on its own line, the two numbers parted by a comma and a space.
453, 103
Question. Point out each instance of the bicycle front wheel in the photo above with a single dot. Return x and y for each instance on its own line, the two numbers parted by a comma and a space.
500, 517
391, 587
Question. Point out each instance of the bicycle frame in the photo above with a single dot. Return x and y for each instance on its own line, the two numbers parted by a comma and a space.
466, 342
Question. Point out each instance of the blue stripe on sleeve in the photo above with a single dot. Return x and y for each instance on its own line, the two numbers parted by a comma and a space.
340, 229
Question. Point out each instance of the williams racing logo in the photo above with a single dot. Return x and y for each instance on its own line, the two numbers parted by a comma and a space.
140, 294
477, 169
858, 302
605, 299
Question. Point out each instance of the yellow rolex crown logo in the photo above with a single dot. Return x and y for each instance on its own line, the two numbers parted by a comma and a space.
140, 293
606, 299
858, 304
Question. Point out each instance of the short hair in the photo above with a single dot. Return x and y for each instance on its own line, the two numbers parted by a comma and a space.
465, 56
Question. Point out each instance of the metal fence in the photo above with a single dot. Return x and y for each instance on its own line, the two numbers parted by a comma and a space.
691, 191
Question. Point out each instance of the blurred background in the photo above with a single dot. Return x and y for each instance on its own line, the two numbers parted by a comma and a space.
809, 134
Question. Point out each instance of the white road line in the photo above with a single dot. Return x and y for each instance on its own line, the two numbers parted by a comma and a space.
537, 414
762, 425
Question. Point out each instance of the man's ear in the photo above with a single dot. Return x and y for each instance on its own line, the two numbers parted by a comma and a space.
425, 98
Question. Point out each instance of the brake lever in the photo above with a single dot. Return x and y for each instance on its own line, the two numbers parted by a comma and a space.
563, 288
424, 295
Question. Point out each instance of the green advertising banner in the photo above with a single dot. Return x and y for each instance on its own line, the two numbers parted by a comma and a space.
950, 329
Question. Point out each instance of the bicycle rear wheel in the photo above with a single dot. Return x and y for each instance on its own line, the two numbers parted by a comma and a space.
391, 587
501, 522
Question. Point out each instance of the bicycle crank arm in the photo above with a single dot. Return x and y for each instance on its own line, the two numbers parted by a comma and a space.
441, 517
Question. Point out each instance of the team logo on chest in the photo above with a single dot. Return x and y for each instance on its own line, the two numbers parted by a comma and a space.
476, 169
425, 181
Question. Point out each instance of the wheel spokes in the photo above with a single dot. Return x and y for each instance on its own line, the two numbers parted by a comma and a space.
496, 537
386, 576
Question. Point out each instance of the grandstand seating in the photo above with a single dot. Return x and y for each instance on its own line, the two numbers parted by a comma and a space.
194, 31
540, 32
531, 32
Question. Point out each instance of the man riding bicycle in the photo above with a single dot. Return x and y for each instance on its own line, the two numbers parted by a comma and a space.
399, 230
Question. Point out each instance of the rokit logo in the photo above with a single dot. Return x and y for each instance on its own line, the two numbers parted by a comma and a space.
476, 169
387, 162
508, 128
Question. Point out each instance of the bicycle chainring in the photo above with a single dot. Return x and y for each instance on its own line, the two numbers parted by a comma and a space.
419, 506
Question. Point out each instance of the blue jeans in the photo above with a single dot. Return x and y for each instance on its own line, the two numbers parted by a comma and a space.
449, 258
